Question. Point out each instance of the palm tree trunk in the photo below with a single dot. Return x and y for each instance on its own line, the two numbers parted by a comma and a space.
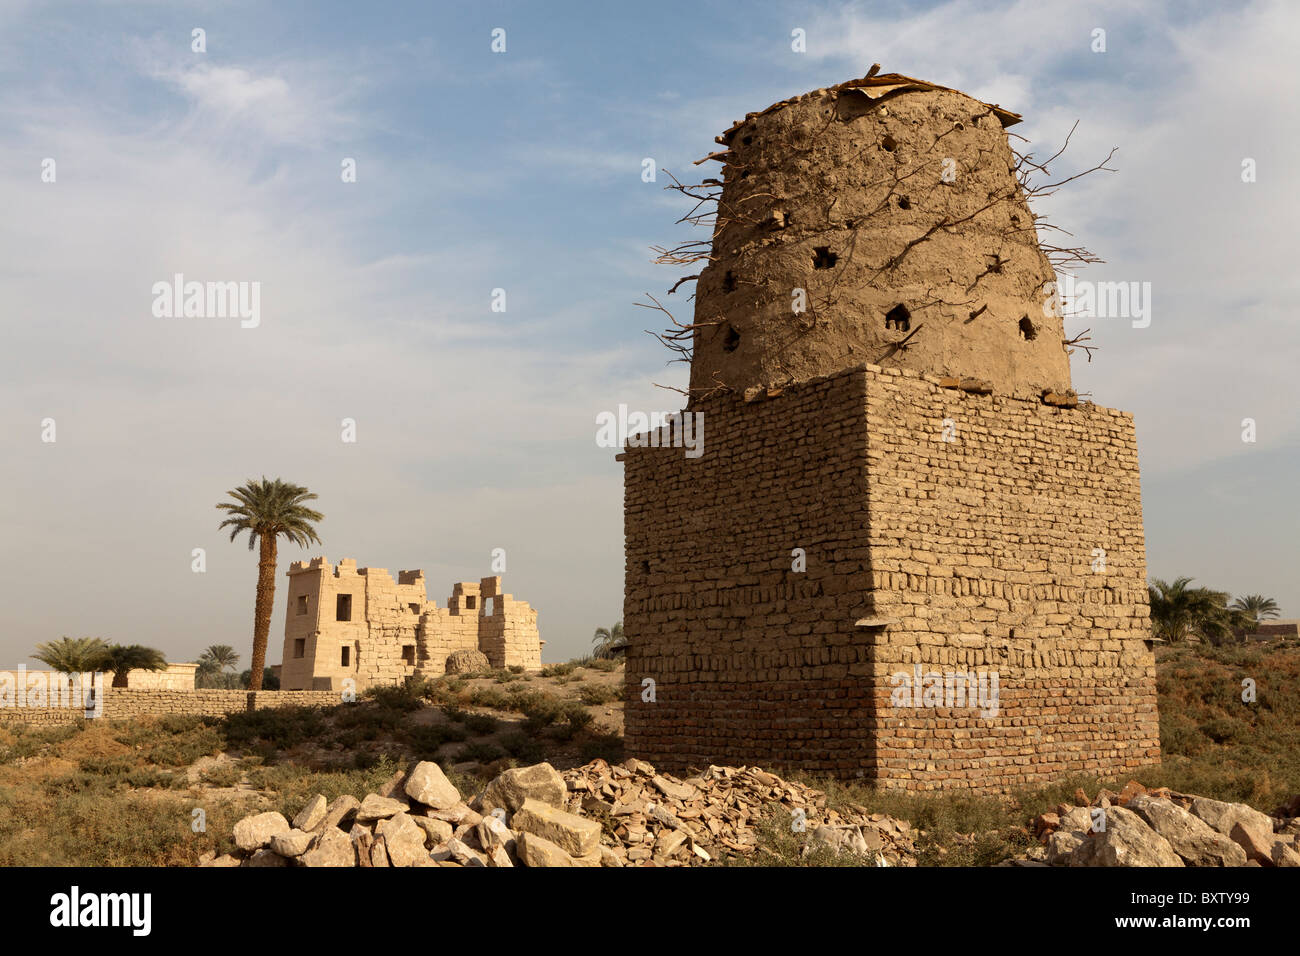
262, 614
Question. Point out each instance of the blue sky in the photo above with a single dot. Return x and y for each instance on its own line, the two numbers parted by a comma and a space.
521, 171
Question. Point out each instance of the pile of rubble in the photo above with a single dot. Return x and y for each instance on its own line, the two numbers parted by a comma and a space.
1140, 827
596, 815
652, 817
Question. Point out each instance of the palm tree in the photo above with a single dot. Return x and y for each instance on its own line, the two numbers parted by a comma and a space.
266, 510
609, 640
1179, 611
1256, 607
71, 655
121, 659
221, 656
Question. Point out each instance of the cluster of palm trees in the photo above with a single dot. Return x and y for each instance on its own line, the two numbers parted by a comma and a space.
1180, 611
85, 655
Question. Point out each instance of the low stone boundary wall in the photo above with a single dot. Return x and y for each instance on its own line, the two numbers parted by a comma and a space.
132, 702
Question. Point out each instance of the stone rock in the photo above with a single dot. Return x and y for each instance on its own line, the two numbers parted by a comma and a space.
364, 840
375, 807
1255, 839
1126, 841
573, 834
465, 854
608, 857
294, 843
266, 857
540, 782
458, 814
1224, 816
1062, 844
498, 856
1129, 791
536, 850
337, 812
224, 860
334, 848
392, 787
404, 840
379, 853
312, 814
255, 832
675, 791
467, 662
437, 831
1284, 854
492, 832
427, 784
1192, 838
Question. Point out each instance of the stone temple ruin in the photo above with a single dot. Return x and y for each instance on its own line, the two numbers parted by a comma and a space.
350, 622
900, 499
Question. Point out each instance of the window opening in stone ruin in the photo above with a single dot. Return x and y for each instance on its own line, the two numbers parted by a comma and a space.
347, 657
1027, 330
300, 647
746, 140
488, 604
302, 604
408, 654
471, 602
415, 608
904, 202
889, 144
898, 318
343, 608
730, 340
823, 258
729, 282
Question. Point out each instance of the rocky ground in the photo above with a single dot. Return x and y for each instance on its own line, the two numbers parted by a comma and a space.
1140, 827
595, 815
627, 814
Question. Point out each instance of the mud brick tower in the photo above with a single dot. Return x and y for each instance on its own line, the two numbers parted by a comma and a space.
896, 479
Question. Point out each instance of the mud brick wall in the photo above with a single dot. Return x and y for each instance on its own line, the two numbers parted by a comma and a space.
752, 661
974, 554
125, 703
988, 549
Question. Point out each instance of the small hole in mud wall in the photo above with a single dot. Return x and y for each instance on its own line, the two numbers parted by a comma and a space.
898, 318
1027, 330
904, 202
729, 282
889, 144
823, 258
746, 140
730, 340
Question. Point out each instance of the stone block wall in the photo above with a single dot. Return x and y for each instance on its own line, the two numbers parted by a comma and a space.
943, 530
120, 703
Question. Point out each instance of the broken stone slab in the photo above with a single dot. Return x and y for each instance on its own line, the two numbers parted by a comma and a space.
536, 850
337, 812
437, 831
493, 832
1194, 840
255, 832
1224, 816
1125, 841
294, 843
312, 814
403, 839
573, 834
508, 791
379, 853
374, 807
428, 785
1257, 841
675, 791
334, 848
465, 854
1284, 854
